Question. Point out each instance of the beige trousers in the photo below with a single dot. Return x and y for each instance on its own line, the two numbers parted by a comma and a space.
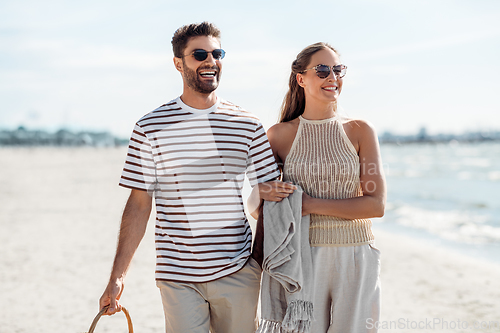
347, 288
226, 305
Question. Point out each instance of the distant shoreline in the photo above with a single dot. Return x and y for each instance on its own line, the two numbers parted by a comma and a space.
66, 138
423, 137
401, 142
61, 138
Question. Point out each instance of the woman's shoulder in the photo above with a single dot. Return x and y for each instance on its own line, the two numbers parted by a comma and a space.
359, 131
358, 126
282, 130
281, 137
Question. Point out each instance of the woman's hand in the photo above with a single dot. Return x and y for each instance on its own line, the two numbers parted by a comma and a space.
271, 191
275, 190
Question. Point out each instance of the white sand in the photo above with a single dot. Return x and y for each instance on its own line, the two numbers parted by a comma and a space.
59, 217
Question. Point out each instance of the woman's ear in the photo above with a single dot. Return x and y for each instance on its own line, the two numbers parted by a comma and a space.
300, 79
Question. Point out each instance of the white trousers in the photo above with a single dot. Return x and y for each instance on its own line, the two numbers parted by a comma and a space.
347, 288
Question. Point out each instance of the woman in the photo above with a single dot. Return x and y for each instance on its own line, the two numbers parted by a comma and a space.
337, 163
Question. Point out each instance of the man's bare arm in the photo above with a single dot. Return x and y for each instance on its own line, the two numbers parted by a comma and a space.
132, 229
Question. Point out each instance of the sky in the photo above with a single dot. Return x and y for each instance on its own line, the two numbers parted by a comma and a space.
102, 64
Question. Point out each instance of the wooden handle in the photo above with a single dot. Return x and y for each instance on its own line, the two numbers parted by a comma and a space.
104, 309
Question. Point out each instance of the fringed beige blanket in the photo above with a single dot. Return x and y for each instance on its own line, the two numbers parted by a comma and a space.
287, 279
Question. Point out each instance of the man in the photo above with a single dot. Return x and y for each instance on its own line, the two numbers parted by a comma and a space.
192, 155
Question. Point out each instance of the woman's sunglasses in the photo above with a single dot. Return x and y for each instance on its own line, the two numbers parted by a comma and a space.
201, 55
323, 71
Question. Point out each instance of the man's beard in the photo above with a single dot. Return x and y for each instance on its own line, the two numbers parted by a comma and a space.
193, 81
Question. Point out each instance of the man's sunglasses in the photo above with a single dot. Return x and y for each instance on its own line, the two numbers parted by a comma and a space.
323, 71
201, 55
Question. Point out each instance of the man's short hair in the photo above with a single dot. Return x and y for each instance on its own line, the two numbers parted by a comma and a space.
183, 34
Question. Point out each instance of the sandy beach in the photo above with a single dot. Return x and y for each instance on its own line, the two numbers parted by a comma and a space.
59, 217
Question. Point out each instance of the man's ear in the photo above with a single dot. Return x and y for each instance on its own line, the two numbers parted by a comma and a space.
178, 64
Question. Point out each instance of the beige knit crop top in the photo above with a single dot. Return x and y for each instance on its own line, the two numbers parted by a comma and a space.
323, 161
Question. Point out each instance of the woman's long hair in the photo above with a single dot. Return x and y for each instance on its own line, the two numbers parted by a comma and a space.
295, 100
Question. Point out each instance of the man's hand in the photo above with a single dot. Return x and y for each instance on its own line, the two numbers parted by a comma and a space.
111, 296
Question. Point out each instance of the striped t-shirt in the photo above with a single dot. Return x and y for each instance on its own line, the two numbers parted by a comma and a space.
194, 162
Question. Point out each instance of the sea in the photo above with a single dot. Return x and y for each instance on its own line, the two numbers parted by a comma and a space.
446, 194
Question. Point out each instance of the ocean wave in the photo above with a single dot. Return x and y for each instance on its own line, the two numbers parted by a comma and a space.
480, 162
455, 225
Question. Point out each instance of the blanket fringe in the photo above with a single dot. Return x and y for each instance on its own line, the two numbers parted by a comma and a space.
298, 317
268, 326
